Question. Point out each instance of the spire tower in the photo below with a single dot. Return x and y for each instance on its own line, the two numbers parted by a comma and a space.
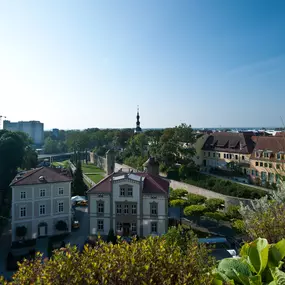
138, 124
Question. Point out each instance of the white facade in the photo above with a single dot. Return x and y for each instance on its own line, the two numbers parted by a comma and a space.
39, 207
127, 209
33, 129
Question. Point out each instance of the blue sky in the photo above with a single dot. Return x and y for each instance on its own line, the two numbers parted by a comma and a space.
79, 64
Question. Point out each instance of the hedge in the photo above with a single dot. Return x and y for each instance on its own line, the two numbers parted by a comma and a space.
225, 187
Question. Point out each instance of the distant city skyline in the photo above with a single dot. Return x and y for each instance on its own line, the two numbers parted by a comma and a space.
82, 64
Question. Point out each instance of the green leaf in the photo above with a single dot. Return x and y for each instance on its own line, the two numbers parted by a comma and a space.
258, 255
242, 279
255, 280
276, 253
278, 276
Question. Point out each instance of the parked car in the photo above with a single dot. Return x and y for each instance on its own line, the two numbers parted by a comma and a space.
75, 224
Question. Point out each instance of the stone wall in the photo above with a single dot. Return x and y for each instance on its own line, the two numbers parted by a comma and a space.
98, 160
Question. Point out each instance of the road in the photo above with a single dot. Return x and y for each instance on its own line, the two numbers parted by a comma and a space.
78, 236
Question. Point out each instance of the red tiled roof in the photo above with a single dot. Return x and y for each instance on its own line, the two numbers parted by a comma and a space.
230, 142
275, 144
152, 184
32, 177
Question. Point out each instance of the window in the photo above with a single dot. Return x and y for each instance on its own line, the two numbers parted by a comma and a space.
60, 207
42, 192
42, 210
242, 157
122, 191
209, 154
23, 212
266, 154
60, 191
227, 155
100, 207
265, 164
278, 155
252, 172
236, 156
134, 227
119, 226
100, 225
130, 192
153, 209
278, 166
256, 163
134, 209
256, 173
270, 165
257, 154
126, 209
119, 209
224, 155
153, 227
23, 195
204, 153
219, 155
230, 156
214, 155
261, 163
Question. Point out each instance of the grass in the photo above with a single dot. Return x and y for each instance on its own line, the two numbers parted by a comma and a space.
91, 168
63, 164
95, 177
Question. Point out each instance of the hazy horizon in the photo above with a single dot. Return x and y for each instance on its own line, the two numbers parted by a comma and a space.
82, 64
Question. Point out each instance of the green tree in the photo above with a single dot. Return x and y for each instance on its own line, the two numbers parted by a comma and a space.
195, 211
178, 203
111, 237
214, 204
195, 199
30, 159
78, 185
218, 216
178, 193
148, 261
21, 231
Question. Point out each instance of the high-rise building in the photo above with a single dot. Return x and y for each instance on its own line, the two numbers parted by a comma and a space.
33, 129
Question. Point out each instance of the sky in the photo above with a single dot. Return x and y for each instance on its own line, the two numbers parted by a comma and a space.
83, 64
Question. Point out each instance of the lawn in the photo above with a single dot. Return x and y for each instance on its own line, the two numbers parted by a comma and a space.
63, 164
91, 168
96, 177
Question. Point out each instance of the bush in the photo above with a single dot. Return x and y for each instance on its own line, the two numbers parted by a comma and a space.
218, 216
178, 193
178, 203
239, 226
233, 212
225, 187
194, 199
214, 204
148, 261
195, 210
21, 231
61, 226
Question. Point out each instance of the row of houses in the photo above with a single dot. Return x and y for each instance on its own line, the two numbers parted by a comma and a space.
259, 157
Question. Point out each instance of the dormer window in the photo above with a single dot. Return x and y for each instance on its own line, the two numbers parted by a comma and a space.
278, 155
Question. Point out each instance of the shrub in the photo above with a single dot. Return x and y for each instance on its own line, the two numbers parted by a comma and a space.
218, 216
148, 261
61, 226
194, 199
195, 210
178, 193
21, 231
233, 212
214, 204
238, 226
178, 203
259, 264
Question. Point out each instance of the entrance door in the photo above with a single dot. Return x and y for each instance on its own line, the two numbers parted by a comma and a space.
42, 231
126, 229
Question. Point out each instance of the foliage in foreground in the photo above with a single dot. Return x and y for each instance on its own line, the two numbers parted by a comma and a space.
148, 261
265, 217
259, 264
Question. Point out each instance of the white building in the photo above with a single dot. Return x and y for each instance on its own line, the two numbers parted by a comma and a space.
130, 203
33, 129
40, 199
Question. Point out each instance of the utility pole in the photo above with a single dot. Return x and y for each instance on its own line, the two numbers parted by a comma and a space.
1, 120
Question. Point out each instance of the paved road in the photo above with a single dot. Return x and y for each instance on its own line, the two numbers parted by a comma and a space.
78, 236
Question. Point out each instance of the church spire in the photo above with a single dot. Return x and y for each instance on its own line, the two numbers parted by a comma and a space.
138, 124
